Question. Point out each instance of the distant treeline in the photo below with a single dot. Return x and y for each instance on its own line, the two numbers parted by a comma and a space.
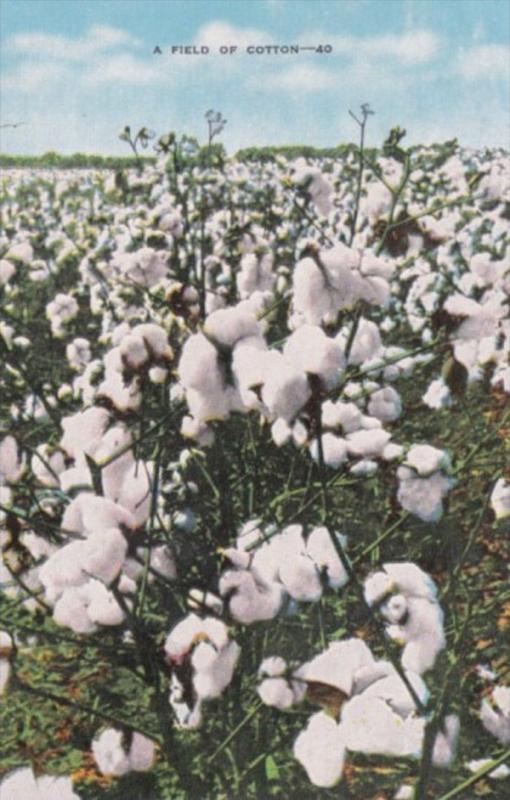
74, 161
89, 161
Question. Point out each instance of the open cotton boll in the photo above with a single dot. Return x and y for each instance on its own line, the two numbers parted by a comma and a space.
338, 665
213, 669
392, 689
47, 464
63, 569
250, 600
495, 714
155, 339
341, 415
371, 442
385, 404
500, 499
285, 391
71, 611
320, 548
23, 785
141, 753
423, 497
104, 554
133, 351
301, 578
366, 342
7, 270
370, 725
437, 395
309, 349
320, 749
334, 450
256, 274
312, 299
103, 608
109, 753
404, 577
11, 465
84, 431
276, 692
227, 326
445, 744
422, 633
192, 629
426, 459
78, 353
6, 647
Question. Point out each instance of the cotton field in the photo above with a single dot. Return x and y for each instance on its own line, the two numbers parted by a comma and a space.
254, 477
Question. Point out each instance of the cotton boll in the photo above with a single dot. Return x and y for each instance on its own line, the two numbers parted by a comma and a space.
213, 670
437, 395
334, 450
133, 351
104, 554
499, 773
366, 342
250, 601
423, 496
11, 465
7, 270
500, 499
495, 714
368, 442
385, 404
309, 349
369, 725
109, 753
422, 633
392, 689
22, 783
445, 745
320, 749
141, 753
285, 392
103, 608
426, 459
228, 326
281, 432
47, 465
276, 692
83, 431
300, 577
338, 665
364, 467
71, 611
341, 415
320, 548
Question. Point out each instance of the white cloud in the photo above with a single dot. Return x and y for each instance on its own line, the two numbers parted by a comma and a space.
121, 68
298, 77
219, 33
96, 40
34, 76
484, 61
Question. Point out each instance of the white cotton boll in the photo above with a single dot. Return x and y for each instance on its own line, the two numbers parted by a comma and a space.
109, 753
135, 493
22, 783
273, 667
285, 391
369, 725
154, 338
71, 611
392, 689
78, 353
422, 633
445, 745
392, 451
213, 675
320, 548
281, 432
99, 513
276, 692
7, 270
366, 342
309, 349
500, 499
437, 395
385, 404
63, 569
341, 415
163, 562
198, 431
423, 497
229, 325
426, 459
334, 450
141, 753
11, 465
364, 467
83, 431
498, 773
192, 629
300, 577
338, 665
188, 718
368, 442
311, 296
103, 607
495, 714
104, 554
320, 749
250, 601
5, 671
47, 465
256, 274
133, 351
405, 792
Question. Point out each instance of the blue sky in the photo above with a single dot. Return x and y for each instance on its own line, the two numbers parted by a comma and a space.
77, 71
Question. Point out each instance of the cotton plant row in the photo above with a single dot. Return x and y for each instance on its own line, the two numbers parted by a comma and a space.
246, 294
